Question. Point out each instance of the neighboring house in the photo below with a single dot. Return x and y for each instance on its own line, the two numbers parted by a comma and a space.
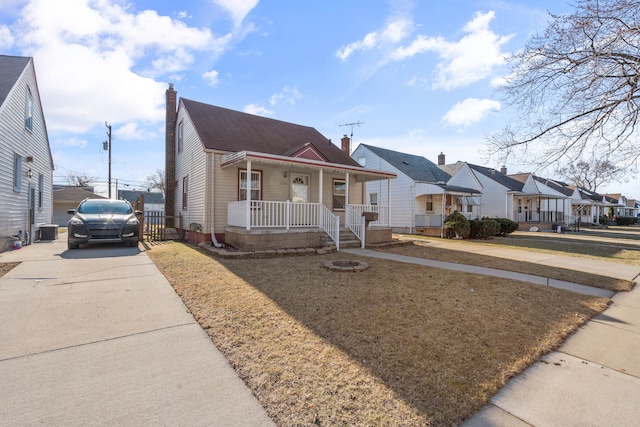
623, 206
422, 195
65, 198
259, 183
26, 164
153, 202
523, 197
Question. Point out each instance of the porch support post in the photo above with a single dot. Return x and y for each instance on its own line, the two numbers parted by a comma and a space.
320, 179
388, 202
346, 195
248, 208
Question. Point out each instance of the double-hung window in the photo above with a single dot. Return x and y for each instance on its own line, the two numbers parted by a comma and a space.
429, 205
339, 194
255, 186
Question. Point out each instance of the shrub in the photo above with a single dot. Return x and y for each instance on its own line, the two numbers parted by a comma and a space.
603, 220
506, 226
484, 228
626, 220
457, 223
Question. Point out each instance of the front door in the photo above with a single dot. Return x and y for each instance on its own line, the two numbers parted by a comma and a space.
299, 188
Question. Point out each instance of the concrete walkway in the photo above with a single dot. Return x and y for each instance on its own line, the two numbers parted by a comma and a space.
593, 379
97, 336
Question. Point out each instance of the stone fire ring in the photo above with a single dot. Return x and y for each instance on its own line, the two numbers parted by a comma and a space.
346, 265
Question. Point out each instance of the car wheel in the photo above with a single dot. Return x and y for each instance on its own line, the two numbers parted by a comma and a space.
133, 243
72, 246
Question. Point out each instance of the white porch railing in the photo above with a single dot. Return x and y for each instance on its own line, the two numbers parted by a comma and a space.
330, 224
355, 222
382, 211
270, 214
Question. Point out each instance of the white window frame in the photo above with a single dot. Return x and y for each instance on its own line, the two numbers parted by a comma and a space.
17, 172
256, 177
185, 192
28, 111
373, 199
337, 195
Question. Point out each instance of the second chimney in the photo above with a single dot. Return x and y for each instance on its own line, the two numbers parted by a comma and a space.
346, 145
441, 159
503, 170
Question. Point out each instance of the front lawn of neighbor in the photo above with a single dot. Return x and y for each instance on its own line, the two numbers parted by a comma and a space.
396, 344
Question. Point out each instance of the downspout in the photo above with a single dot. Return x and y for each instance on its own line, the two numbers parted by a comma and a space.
214, 242
412, 202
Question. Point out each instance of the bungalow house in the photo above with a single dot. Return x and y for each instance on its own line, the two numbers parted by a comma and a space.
26, 164
257, 183
622, 206
421, 196
541, 202
523, 198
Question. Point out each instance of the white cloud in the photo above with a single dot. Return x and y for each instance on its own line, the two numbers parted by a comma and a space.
470, 111
288, 95
131, 131
258, 110
72, 142
393, 33
466, 61
211, 77
238, 9
6, 38
102, 59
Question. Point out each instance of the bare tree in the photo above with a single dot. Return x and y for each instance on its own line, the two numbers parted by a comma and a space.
591, 174
575, 89
77, 180
156, 181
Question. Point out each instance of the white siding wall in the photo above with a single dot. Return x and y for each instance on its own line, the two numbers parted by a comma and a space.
402, 202
495, 202
16, 139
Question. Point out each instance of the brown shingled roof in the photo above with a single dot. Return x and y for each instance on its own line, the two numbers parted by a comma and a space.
228, 130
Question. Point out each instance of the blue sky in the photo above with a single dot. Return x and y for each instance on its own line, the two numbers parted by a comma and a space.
418, 76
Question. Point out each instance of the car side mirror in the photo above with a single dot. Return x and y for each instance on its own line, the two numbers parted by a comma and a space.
71, 211
138, 213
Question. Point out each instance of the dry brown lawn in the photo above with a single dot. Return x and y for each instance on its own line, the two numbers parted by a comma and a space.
6, 267
396, 344
423, 250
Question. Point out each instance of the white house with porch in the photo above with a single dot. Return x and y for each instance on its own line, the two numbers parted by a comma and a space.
421, 196
256, 183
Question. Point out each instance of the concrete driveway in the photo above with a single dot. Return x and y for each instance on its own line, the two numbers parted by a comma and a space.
97, 336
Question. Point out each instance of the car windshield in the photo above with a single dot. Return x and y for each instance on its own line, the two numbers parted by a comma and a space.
105, 207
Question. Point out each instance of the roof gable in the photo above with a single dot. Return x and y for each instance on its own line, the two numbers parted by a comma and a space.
415, 167
234, 131
12, 68
497, 176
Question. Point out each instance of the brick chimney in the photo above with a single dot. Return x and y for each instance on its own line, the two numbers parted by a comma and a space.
346, 145
441, 159
503, 170
170, 157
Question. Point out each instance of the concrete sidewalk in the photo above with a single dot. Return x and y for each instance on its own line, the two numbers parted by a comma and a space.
593, 379
97, 336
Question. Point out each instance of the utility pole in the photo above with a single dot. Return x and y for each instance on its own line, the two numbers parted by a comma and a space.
107, 146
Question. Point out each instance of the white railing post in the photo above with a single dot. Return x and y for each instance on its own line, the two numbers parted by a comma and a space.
287, 213
364, 231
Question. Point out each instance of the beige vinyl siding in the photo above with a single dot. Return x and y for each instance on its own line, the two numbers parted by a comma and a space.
191, 163
496, 202
16, 139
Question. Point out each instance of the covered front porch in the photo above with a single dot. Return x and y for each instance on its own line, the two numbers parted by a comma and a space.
541, 210
298, 202
432, 209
